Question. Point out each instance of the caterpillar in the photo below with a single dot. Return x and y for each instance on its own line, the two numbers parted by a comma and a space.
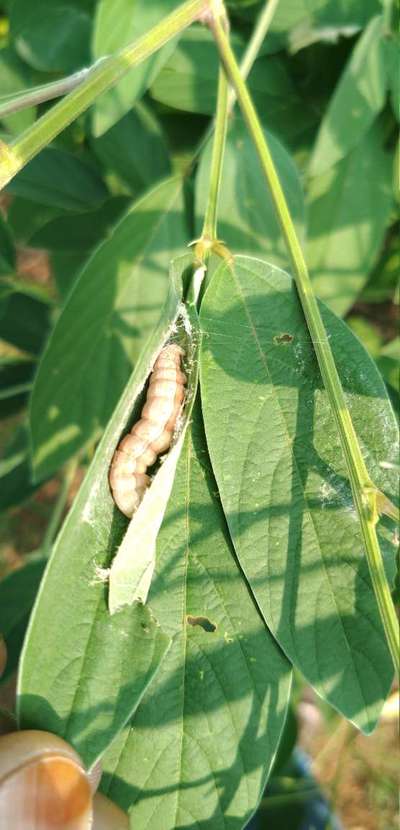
152, 434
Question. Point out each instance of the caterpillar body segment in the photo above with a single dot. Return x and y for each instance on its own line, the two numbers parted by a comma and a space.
152, 434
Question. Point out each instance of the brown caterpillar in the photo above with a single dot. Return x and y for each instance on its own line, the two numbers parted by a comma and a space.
151, 435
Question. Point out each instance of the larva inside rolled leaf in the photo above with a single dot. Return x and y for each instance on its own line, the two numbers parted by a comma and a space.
152, 434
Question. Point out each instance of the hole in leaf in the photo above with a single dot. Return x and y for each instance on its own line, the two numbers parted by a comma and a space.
204, 622
283, 339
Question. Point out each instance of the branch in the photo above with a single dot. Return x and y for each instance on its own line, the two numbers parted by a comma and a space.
15, 155
39, 94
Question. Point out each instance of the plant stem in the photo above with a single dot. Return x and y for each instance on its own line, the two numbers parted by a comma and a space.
14, 156
225, 101
388, 16
250, 56
58, 509
258, 34
364, 492
221, 123
39, 94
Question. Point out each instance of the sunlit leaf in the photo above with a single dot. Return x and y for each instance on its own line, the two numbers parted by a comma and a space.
14, 77
83, 672
283, 481
135, 149
133, 567
208, 730
114, 306
188, 82
247, 221
357, 100
349, 210
117, 23
341, 12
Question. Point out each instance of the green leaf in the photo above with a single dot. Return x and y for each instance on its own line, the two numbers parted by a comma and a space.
15, 383
132, 569
117, 23
285, 111
366, 332
17, 595
114, 305
15, 472
100, 687
24, 315
135, 149
188, 82
392, 48
384, 278
14, 77
349, 210
51, 37
388, 363
82, 231
357, 100
283, 481
327, 12
66, 268
86, 692
26, 217
7, 248
208, 729
246, 216
60, 180
289, 739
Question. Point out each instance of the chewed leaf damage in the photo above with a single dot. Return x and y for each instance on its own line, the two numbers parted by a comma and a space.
152, 434
203, 622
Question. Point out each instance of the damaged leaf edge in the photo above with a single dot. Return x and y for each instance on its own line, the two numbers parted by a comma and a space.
130, 575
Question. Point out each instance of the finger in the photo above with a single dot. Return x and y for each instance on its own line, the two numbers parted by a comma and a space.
43, 785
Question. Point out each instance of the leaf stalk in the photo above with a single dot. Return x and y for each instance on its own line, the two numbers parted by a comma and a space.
26, 98
257, 38
209, 232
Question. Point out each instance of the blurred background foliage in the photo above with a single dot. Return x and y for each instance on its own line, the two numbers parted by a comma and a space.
93, 210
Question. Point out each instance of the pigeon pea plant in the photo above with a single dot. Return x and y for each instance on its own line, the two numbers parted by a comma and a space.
163, 645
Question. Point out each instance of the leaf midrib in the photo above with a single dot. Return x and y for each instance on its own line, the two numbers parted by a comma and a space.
264, 363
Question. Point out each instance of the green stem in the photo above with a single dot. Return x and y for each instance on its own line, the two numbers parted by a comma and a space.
225, 101
388, 16
258, 35
250, 56
14, 156
221, 122
39, 94
58, 509
364, 492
